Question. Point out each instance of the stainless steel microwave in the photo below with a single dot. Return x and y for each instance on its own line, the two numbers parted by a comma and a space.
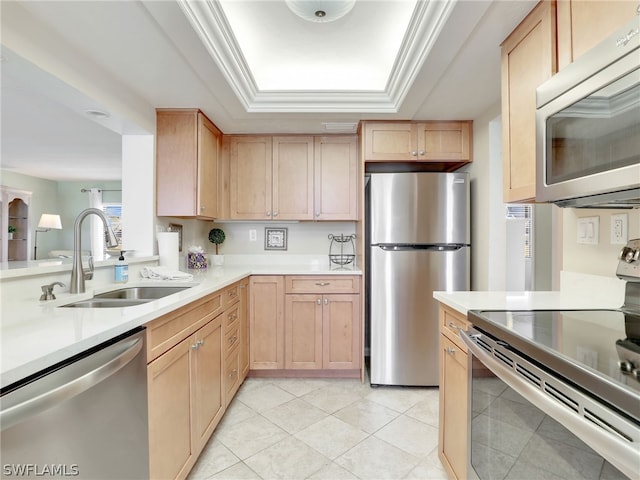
588, 127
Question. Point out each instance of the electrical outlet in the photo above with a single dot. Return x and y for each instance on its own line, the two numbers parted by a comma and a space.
253, 235
619, 224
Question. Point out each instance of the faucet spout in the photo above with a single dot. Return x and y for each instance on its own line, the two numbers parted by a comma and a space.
77, 272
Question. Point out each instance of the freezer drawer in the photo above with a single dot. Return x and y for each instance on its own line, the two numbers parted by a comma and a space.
404, 314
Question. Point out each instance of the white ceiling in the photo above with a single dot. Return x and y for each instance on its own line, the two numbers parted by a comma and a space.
242, 62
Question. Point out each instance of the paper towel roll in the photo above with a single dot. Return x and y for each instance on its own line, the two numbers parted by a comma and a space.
168, 249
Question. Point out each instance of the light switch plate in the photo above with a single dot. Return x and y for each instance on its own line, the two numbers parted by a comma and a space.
588, 230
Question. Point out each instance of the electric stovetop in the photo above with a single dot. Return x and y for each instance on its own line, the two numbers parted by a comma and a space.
596, 350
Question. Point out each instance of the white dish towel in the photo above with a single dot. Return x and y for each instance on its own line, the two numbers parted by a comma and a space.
164, 273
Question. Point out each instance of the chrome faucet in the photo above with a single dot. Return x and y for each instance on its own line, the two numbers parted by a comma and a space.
77, 272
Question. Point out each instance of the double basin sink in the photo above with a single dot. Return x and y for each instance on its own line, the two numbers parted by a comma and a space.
127, 297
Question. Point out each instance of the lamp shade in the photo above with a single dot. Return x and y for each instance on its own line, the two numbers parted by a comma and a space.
50, 221
320, 10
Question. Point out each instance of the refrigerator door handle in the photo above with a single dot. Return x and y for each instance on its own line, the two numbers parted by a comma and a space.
407, 247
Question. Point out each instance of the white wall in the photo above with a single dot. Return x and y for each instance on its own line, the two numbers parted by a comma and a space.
485, 261
598, 259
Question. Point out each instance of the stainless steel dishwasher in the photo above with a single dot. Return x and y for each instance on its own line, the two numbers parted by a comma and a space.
85, 417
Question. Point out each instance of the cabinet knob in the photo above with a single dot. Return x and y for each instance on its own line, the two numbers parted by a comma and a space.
414, 153
200, 342
195, 346
268, 213
451, 350
317, 214
318, 301
275, 214
453, 326
322, 284
202, 208
326, 301
421, 152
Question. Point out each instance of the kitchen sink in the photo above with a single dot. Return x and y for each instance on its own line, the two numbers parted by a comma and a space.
141, 293
107, 303
126, 297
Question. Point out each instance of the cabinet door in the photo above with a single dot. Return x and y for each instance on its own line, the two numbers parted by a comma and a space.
207, 379
208, 154
303, 332
293, 178
454, 421
250, 178
243, 313
388, 142
341, 331
528, 59
444, 141
336, 178
171, 445
582, 24
266, 327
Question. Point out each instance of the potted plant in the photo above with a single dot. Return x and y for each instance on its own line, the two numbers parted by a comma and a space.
217, 236
12, 230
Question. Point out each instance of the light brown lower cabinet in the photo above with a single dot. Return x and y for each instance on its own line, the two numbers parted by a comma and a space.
185, 401
454, 395
194, 370
308, 322
322, 331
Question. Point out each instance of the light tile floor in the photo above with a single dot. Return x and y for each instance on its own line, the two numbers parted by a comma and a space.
298, 429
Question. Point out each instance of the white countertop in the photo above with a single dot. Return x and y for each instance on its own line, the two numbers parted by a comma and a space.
36, 335
577, 292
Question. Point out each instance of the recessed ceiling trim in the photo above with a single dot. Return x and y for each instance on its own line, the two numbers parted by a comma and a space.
211, 25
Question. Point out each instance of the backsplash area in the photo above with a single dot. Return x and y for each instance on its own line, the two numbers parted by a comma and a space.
600, 258
303, 238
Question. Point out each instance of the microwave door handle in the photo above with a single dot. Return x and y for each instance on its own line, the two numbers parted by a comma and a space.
623, 455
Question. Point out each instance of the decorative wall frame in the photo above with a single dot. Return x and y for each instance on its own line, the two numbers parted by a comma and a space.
275, 238
176, 227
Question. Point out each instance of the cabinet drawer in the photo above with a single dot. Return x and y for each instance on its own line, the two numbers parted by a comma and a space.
322, 284
166, 331
231, 295
231, 336
451, 322
231, 375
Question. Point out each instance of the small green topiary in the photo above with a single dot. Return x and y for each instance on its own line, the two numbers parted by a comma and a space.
216, 236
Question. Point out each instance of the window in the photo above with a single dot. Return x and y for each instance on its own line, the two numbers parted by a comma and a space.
113, 211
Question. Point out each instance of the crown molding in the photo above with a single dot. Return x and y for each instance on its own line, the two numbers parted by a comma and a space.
212, 27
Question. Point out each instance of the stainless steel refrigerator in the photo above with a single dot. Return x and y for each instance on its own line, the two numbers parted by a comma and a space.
418, 242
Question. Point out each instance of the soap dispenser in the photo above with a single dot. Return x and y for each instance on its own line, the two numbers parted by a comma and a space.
121, 269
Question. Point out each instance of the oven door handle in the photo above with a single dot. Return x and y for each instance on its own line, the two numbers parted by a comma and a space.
623, 455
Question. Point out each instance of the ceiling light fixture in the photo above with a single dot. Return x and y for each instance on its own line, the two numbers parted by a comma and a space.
320, 11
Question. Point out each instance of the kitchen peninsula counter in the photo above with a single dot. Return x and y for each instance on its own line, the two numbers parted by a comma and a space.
577, 291
36, 335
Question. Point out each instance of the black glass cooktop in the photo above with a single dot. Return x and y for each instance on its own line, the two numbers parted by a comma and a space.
597, 350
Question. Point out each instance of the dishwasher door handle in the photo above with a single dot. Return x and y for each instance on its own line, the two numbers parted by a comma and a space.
59, 393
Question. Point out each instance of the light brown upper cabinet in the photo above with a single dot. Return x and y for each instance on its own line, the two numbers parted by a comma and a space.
187, 153
582, 24
297, 177
270, 178
528, 59
418, 141
335, 178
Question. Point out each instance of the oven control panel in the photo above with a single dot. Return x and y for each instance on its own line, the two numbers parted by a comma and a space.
629, 261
